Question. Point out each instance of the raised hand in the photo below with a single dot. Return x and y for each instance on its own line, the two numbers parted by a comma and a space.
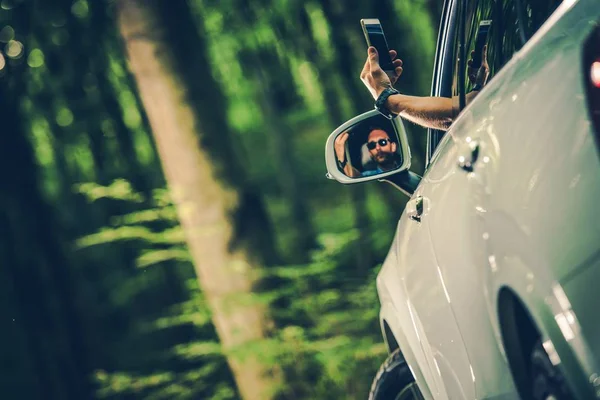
374, 78
479, 75
340, 146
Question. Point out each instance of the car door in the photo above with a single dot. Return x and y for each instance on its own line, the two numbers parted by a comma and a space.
456, 220
456, 223
458, 179
458, 236
428, 302
420, 273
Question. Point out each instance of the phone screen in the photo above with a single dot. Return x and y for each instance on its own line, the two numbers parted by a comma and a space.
480, 41
376, 38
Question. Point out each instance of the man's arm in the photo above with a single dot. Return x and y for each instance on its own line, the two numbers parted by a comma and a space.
430, 112
340, 153
351, 172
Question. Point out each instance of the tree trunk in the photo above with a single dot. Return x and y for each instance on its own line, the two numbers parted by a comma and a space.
205, 206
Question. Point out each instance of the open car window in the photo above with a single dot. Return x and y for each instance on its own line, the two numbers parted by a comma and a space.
513, 22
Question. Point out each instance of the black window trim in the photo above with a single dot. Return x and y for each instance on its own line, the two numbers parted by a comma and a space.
443, 65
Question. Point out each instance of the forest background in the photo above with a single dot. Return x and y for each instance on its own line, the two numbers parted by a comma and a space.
167, 231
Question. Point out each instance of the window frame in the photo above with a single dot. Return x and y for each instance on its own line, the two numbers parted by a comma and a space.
443, 67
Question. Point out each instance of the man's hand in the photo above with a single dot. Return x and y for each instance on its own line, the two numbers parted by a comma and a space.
374, 78
340, 146
478, 76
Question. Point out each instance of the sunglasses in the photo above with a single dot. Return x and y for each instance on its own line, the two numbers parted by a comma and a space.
381, 142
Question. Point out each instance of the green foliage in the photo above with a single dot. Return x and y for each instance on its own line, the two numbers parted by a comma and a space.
325, 322
120, 189
145, 327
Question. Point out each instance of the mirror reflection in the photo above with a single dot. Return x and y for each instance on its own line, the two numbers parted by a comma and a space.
368, 148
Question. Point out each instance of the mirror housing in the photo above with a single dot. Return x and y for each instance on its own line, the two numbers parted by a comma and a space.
373, 147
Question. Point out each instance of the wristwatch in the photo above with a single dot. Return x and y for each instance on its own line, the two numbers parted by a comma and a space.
476, 87
342, 164
380, 103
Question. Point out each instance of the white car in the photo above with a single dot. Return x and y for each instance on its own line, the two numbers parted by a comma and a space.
491, 288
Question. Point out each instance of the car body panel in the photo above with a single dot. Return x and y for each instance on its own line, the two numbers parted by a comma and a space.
541, 194
459, 241
426, 292
523, 219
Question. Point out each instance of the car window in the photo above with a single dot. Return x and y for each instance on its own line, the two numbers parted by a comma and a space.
533, 13
505, 36
512, 23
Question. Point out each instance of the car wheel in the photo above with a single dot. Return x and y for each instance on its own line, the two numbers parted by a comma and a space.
548, 381
394, 381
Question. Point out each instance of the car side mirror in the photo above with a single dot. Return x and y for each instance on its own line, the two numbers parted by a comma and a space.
366, 148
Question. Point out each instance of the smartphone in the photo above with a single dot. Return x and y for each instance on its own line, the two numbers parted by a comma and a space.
374, 36
480, 41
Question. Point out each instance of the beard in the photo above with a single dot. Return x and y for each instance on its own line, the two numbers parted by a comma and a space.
384, 158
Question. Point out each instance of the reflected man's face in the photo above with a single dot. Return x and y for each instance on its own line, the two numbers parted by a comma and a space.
380, 147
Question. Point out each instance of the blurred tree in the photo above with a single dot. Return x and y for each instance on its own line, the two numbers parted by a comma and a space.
197, 157
75, 124
269, 91
272, 89
36, 266
263, 89
252, 227
99, 32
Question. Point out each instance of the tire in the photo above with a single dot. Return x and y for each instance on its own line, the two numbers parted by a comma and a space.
394, 381
548, 382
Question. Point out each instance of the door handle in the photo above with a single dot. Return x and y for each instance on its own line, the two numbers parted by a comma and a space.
414, 208
469, 156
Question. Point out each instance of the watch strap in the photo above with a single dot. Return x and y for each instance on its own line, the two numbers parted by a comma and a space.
382, 99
